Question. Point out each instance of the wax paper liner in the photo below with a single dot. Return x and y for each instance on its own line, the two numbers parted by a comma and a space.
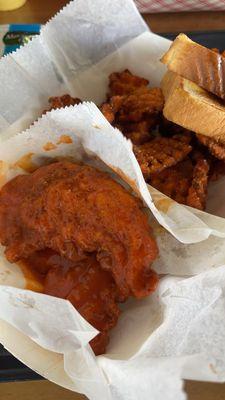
151, 341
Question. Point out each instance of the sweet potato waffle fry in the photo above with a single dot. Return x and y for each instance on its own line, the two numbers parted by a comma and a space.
139, 105
197, 192
175, 181
184, 183
132, 106
63, 101
216, 148
123, 83
160, 153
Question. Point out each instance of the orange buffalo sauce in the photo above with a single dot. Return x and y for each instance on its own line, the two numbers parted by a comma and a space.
89, 288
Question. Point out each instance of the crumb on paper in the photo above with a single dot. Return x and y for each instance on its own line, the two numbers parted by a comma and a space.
26, 163
211, 366
49, 146
164, 204
96, 126
65, 139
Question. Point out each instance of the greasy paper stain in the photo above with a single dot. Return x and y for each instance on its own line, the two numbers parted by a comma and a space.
211, 366
65, 158
157, 228
49, 146
131, 182
163, 204
65, 139
26, 163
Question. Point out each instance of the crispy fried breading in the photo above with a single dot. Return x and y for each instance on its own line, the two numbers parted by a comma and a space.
142, 103
159, 154
123, 83
198, 190
63, 101
98, 235
216, 148
79, 207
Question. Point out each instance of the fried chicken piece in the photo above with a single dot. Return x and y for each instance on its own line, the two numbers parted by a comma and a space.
123, 83
72, 208
89, 288
198, 190
141, 104
62, 101
215, 147
160, 153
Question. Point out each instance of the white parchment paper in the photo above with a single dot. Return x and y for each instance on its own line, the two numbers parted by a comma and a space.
179, 331
144, 345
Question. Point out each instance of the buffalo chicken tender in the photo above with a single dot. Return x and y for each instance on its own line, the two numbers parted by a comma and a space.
93, 234
84, 283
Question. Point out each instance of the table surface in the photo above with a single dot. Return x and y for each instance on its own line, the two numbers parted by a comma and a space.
39, 11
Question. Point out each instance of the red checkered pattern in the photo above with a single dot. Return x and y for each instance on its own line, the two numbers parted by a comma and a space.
179, 5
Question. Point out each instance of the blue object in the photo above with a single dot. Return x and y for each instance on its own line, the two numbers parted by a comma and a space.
18, 35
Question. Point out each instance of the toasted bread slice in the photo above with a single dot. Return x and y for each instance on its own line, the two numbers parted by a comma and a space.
192, 107
202, 66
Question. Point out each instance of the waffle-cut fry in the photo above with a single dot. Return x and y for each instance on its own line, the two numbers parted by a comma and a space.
123, 83
159, 154
142, 103
176, 161
138, 132
174, 182
216, 148
63, 101
198, 190
110, 109
185, 183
